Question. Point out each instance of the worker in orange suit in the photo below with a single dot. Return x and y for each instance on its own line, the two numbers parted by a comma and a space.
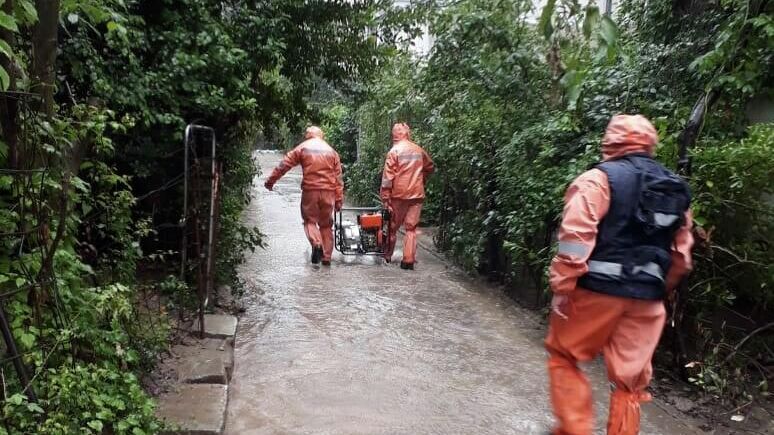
406, 170
624, 244
322, 190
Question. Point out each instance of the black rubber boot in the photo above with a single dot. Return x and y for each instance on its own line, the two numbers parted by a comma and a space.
406, 266
317, 253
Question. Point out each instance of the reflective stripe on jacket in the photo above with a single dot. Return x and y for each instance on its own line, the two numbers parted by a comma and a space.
631, 256
320, 164
587, 202
406, 170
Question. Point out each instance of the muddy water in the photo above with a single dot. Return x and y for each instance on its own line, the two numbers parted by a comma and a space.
367, 348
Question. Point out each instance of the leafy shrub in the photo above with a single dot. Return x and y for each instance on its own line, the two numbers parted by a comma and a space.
733, 202
84, 399
99, 92
513, 112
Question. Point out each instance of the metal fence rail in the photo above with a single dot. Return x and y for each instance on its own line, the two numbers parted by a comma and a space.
199, 217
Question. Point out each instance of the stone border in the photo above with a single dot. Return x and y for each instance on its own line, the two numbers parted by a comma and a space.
197, 403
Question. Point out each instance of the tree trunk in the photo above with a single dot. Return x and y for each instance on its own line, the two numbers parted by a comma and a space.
686, 140
493, 246
43, 75
44, 44
692, 129
9, 106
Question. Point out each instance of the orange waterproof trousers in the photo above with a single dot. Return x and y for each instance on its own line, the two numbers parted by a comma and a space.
317, 212
626, 331
405, 212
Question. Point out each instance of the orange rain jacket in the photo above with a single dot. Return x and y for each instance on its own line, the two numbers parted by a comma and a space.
587, 201
406, 168
320, 163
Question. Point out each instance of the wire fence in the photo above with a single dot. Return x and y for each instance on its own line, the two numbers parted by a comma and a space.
37, 198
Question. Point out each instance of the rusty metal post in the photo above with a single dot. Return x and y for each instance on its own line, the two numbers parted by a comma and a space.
204, 284
18, 364
211, 223
215, 229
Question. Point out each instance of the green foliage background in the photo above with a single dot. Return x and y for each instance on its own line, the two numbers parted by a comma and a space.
91, 183
512, 110
511, 102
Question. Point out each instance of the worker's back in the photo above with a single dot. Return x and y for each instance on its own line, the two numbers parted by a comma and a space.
320, 164
411, 165
323, 189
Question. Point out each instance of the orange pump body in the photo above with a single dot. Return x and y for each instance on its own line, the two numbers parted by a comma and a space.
371, 221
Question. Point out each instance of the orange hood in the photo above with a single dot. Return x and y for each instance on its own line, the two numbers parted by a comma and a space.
400, 131
313, 132
628, 134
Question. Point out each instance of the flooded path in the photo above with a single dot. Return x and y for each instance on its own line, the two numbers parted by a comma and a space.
362, 348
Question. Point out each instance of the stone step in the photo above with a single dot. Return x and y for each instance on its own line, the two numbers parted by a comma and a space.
194, 409
208, 361
217, 325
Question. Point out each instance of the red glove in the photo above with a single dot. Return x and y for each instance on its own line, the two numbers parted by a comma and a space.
268, 185
338, 205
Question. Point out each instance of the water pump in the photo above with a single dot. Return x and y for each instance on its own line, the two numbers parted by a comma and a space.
361, 230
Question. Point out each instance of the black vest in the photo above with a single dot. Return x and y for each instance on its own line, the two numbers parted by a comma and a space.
632, 255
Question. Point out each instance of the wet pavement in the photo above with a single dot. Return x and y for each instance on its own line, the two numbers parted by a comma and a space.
367, 348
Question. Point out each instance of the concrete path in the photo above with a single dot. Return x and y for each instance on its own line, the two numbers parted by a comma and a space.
364, 348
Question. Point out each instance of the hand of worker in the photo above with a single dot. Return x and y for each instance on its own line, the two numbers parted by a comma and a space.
338, 205
559, 305
268, 185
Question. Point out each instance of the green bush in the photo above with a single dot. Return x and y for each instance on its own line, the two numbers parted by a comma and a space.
83, 399
90, 170
512, 112
734, 203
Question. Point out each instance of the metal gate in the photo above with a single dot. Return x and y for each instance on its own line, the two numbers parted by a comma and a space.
200, 211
